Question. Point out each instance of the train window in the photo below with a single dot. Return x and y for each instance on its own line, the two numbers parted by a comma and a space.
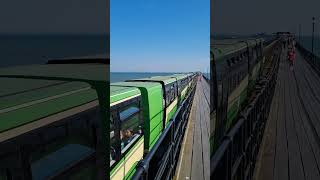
126, 126
112, 142
170, 93
233, 60
229, 63
128, 112
180, 85
131, 125
183, 84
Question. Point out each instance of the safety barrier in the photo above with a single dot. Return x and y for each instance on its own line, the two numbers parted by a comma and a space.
235, 157
312, 59
161, 161
206, 78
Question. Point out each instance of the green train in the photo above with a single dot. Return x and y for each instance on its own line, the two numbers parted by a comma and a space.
235, 67
140, 110
50, 122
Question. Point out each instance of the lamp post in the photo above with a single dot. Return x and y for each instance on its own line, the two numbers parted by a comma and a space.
299, 33
313, 19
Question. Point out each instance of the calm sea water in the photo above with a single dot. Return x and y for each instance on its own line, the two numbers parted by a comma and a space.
307, 43
22, 50
122, 76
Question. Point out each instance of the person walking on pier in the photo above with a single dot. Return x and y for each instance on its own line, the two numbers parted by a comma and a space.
291, 57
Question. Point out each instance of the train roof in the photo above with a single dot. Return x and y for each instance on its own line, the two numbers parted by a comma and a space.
33, 102
225, 47
165, 79
76, 72
179, 76
119, 92
122, 90
25, 100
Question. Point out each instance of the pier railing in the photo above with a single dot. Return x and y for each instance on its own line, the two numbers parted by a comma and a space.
206, 78
312, 59
161, 161
235, 158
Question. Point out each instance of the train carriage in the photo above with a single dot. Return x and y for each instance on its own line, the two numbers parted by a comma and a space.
140, 111
235, 67
183, 86
170, 94
136, 124
50, 125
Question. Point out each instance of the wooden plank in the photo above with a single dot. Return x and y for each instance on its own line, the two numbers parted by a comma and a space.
204, 106
296, 127
197, 160
281, 157
296, 170
183, 170
194, 158
307, 154
312, 118
265, 162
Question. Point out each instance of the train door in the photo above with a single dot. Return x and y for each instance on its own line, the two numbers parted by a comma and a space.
171, 100
178, 90
184, 83
126, 137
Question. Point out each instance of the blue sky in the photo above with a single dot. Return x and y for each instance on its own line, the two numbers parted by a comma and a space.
159, 35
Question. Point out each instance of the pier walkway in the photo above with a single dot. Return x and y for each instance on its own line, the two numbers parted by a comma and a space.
194, 156
291, 144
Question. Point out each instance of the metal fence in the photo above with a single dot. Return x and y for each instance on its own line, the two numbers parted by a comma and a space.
160, 162
206, 78
311, 58
235, 158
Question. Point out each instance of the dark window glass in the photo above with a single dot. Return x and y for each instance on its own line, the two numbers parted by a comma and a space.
131, 125
126, 127
113, 142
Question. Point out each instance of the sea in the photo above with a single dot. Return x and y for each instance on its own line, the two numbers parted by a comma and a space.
122, 76
306, 41
38, 49
18, 50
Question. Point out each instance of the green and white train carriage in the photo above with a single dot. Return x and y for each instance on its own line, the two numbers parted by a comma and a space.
235, 67
136, 124
170, 94
184, 86
140, 111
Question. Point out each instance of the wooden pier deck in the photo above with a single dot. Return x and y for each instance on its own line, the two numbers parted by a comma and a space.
291, 144
194, 161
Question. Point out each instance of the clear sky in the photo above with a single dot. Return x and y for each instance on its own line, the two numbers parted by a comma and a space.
253, 16
159, 35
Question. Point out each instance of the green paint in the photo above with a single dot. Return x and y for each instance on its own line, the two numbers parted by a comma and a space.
32, 113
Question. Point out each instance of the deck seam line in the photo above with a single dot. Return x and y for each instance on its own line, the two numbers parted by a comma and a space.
295, 129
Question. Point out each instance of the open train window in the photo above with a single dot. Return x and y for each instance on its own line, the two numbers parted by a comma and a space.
128, 127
